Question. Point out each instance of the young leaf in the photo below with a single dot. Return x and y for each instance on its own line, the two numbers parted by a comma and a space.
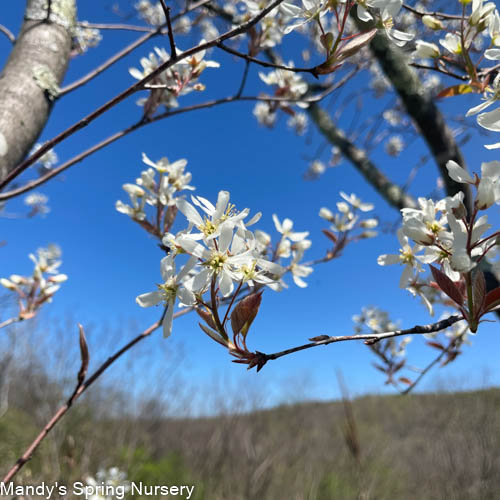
245, 312
213, 335
492, 300
478, 292
436, 345
456, 90
447, 286
84, 355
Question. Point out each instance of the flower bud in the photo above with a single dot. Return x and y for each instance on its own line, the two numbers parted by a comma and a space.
7, 284
432, 23
426, 50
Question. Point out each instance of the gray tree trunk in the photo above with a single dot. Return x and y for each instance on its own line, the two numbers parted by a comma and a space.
30, 78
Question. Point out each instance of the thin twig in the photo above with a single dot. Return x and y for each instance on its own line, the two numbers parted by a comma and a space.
312, 71
80, 389
440, 15
369, 338
433, 363
9, 321
439, 70
151, 32
118, 135
243, 79
105, 26
166, 10
84, 122
6, 31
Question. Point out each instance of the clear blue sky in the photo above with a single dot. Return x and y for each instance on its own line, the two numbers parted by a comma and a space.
110, 260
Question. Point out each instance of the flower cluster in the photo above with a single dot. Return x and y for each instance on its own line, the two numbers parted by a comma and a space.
33, 291
178, 80
151, 13
222, 251
390, 352
348, 219
86, 37
480, 26
288, 85
157, 187
38, 203
443, 234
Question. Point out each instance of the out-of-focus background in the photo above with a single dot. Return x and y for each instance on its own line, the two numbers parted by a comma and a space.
179, 411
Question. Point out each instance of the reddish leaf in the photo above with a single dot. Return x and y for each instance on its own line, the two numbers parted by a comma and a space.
447, 286
378, 367
245, 312
456, 90
330, 235
478, 292
84, 355
492, 300
436, 345
354, 45
405, 380
207, 317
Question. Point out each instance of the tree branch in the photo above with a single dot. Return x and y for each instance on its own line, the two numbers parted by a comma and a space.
370, 338
421, 108
391, 192
118, 135
132, 89
6, 31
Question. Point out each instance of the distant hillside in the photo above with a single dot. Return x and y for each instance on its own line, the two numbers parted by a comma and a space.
434, 446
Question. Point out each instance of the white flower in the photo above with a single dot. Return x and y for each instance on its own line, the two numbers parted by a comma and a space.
299, 271
406, 257
171, 289
223, 214
285, 228
356, 202
217, 261
458, 174
426, 50
394, 145
312, 9
298, 122
452, 43
264, 114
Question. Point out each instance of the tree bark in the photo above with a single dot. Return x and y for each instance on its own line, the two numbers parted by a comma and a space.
29, 80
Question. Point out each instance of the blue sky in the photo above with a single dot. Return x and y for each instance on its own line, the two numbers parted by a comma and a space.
110, 260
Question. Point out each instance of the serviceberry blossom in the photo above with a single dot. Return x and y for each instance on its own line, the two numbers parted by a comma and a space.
173, 288
310, 10
38, 203
288, 85
112, 479
406, 257
33, 291
215, 217
152, 14
178, 80
158, 186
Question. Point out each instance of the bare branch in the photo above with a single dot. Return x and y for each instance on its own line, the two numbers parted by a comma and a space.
439, 15
118, 135
6, 31
312, 71
166, 10
369, 338
151, 32
84, 122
